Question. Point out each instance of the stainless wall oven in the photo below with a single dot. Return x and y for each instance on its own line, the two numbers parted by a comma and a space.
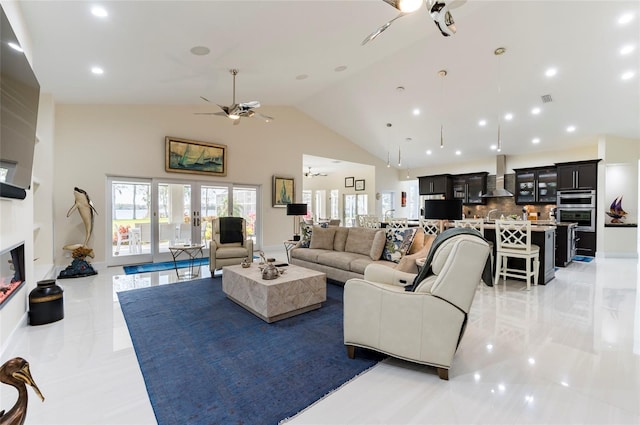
578, 206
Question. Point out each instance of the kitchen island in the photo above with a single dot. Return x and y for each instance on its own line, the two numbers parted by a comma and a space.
543, 235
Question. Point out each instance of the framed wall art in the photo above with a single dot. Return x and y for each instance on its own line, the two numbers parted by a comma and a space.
359, 184
348, 182
193, 157
283, 191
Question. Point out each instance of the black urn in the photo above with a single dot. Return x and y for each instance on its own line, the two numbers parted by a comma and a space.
46, 304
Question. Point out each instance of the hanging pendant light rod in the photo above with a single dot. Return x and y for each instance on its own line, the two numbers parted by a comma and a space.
499, 52
442, 73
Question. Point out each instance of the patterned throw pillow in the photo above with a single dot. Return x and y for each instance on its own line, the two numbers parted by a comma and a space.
306, 231
398, 243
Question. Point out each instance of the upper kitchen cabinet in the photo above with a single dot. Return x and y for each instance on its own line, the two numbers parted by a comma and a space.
470, 188
578, 175
440, 184
536, 185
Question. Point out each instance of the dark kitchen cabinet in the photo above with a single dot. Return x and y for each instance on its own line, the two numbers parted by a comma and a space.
470, 188
586, 243
436, 185
578, 175
536, 185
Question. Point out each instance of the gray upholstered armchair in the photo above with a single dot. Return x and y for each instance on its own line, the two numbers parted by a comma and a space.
426, 324
229, 243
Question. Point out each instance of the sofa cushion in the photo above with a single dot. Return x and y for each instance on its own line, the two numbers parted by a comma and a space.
322, 238
306, 231
307, 254
335, 259
340, 239
363, 240
398, 242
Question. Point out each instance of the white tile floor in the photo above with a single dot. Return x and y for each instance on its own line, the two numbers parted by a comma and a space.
567, 352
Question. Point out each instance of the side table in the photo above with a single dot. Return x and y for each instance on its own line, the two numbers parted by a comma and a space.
288, 246
192, 252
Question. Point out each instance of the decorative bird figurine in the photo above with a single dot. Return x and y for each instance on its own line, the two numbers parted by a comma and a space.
615, 211
15, 372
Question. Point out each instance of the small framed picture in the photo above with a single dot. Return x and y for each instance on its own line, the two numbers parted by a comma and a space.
348, 182
359, 184
283, 191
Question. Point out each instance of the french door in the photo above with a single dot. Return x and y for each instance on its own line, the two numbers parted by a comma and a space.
149, 215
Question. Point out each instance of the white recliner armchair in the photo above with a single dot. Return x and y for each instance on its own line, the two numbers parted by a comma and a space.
229, 243
424, 325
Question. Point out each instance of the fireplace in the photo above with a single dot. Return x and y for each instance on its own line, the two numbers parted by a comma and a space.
12, 274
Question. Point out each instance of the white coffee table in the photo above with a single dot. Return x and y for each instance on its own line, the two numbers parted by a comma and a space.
295, 292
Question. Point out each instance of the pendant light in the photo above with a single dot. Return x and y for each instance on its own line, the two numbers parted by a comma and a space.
499, 52
442, 73
399, 158
388, 159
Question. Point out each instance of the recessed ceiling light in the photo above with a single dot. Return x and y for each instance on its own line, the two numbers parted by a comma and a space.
535, 140
571, 129
200, 50
99, 11
340, 68
399, 89
628, 75
508, 116
97, 70
458, 152
551, 72
482, 123
535, 111
416, 111
408, 139
428, 151
493, 147
625, 19
15, 46
302, 77
625, 50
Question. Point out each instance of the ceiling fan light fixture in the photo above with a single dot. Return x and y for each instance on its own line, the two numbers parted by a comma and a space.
408, 6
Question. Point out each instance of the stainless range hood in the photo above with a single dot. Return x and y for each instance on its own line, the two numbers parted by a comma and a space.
501, 168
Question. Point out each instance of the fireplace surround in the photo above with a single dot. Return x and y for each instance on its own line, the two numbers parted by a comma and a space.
12, 272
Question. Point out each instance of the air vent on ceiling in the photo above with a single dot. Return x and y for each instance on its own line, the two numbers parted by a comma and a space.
546, 98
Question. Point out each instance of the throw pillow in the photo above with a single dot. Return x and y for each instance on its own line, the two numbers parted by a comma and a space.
306, 231
322, 238
398, 243
231, 229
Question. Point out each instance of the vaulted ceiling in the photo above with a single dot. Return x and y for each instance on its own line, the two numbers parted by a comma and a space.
308, 54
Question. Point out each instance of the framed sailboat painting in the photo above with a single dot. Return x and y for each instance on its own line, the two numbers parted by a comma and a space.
193, 157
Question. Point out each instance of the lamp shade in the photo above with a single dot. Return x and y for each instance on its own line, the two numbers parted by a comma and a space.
443, 209
296, 209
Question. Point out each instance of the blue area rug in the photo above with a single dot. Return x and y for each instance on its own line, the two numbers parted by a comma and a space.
583, 259
206, 360
167, 265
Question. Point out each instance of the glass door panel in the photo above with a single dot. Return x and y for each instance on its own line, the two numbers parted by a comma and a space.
130, 216
349, 218
245, 205
175, 222
214, 203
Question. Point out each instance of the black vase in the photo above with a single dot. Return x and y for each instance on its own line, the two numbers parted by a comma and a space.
46, 304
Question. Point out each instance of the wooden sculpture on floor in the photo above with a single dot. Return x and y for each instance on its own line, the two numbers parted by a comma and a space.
80, 267
15, 372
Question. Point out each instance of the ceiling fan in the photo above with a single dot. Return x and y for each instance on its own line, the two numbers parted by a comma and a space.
237, 110
438, 9
309, 174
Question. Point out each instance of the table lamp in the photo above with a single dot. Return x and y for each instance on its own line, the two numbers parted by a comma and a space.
296, 210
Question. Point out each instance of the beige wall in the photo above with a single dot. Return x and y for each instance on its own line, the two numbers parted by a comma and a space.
96, 141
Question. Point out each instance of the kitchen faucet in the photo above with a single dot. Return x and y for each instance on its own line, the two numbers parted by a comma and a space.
489, 214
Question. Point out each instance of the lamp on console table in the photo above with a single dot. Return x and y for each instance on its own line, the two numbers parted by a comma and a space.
296, 210
443, 209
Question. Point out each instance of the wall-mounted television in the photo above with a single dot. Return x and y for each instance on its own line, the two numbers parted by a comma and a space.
19, 99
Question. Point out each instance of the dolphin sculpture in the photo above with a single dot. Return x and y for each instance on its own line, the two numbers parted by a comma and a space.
86, 210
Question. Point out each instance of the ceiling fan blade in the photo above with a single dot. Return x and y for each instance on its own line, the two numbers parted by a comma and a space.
205, 99
380, 30
252, 104
267, 118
